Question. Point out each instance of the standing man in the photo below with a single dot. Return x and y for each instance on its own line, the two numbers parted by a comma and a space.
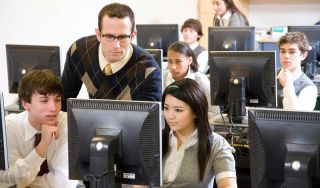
37, 138
109, 65
296, 91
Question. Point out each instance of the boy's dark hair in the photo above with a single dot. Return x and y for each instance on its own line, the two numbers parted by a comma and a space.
116, 10
295, 38
194, 24
39, 81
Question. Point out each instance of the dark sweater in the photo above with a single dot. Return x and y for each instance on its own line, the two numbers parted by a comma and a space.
139, 79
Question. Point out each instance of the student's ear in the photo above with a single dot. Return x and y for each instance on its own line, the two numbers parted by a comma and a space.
303, 55
25, 105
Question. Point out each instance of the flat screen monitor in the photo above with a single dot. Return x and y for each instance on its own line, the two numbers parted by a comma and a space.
284, 148
114, 141
231, 38
157, 55
3, 138
157, 36
239, 79
23, 58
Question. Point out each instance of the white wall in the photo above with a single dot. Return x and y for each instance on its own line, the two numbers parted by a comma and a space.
268, 13
60, 22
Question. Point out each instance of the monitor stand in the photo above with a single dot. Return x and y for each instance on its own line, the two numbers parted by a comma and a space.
15, 107
237, 98
299, 165
103, 148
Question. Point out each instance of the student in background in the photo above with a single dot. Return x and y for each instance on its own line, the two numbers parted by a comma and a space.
193, 155
182, 63
227, 14
192, 32
295, 90
37, 138
109, 65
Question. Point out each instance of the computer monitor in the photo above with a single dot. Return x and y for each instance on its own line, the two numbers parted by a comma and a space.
312, 61
23, 58
157, 55
239, 79
114, 141
231, 38
157, 36
284, 148
3, 138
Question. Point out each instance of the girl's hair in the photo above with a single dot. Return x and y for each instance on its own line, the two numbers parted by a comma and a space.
183, 48
194, 24
231, 6
189, 91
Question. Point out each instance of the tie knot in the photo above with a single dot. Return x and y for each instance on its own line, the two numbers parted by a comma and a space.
107, 69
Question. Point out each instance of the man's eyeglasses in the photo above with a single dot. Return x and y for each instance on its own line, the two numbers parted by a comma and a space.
111, 38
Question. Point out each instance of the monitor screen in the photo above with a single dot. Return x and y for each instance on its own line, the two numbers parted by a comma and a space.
117, 140
23, 58
157, 36
239, 79
284, 148
231, 38
3, 138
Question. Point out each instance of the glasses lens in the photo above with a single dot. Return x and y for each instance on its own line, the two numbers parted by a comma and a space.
108, 37
123, 38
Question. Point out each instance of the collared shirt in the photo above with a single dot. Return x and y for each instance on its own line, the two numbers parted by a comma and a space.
220, 157
306, 99
25, 162
173, 162
224, 20
116, 66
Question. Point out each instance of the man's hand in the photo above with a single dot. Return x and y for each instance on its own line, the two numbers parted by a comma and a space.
48, 133
285, 77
